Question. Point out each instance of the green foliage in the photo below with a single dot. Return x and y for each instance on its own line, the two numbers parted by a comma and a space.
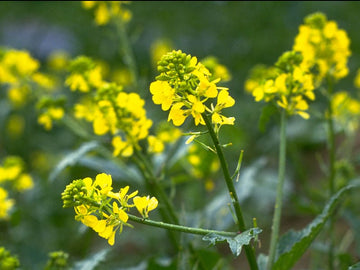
235, 243
293, 244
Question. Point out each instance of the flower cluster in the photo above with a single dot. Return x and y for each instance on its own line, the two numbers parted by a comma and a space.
51, 109
8, 261
165, 134
12, 175
105, 211
287, 84
105, 11
184, 86
18, 70
108, 107
346, 110
324, 46
57, 260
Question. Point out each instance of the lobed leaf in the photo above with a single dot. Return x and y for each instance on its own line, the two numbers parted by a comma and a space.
236, 242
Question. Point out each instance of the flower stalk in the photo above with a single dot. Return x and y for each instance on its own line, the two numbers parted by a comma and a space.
279, 192
250, 254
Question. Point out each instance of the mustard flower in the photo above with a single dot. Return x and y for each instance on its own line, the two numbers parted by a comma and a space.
101, 209
50, 110
105, 11
5, 204
183, 86
324, 46
119, 113
145, 204
286, 84
346, 111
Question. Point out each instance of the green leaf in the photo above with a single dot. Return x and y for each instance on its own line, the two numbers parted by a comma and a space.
293, 244
355, 267
236, 242
92, 261
267, 111
72, 158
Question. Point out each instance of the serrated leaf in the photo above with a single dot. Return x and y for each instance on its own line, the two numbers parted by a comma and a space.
92, 261
293, 244
72, 158
265, 116
235, 243
355, 267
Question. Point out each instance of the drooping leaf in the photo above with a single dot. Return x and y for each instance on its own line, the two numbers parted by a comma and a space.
72, 158
355, 267
235, 243
293, 244
92, 261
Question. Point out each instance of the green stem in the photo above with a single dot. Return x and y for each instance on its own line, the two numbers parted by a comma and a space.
331, 151
179, 228
250, 254
127, 52
279, 192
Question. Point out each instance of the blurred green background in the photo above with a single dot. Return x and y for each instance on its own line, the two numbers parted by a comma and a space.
239, 34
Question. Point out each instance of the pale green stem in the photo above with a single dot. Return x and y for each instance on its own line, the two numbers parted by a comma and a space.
127, 51
279, 192
179, 228
250, 254
331, 150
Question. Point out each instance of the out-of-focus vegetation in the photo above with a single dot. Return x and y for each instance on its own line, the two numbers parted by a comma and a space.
232, 36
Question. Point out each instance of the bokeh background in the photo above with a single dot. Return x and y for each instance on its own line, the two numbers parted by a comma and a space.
240, 35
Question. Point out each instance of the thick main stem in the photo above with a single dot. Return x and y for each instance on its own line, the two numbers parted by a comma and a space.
279, 192
331, 150
250, 254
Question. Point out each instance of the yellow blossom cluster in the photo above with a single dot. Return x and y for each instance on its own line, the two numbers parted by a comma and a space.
216, 69
18, 70
346, 110
165, 134
50, 110
12, 176
105, 211
105, 11
324, 46
108, 107
84, 75
286, 83
184, 86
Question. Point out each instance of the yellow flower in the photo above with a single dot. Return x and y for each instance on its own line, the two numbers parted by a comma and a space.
155, 144
145, 204
5, 204
123, 197
104, 183
121, 147
177, 115
24, 182
197, 109
162, 93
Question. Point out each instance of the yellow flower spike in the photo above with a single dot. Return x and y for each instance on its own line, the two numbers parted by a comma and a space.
145, 204
162, 93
